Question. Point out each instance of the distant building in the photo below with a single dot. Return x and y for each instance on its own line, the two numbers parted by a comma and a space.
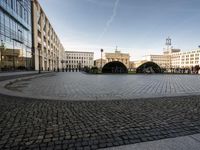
136, 64
97, 63
161, 60
118, 56
174, 58
77, 59
186, 59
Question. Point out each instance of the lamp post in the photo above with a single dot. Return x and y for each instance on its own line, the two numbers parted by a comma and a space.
58, 65
39, 49
101, 58
2, 48
26, 60
62, 61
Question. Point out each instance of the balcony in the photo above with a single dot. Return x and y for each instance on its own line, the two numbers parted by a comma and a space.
39, 39
38, 27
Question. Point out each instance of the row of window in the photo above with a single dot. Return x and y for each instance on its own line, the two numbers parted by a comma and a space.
89, 58
75, 66
78, 61
186, 62
51, 34
11, 29
21, 8
79, 55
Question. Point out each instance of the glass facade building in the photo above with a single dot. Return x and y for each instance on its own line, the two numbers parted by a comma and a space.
15, 35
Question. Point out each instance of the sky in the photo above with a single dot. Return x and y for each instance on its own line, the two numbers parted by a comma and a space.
137, 27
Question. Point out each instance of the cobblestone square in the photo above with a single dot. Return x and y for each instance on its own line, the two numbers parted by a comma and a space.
80, 86
50, 124
95, 123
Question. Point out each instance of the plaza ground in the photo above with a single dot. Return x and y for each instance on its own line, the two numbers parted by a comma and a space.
36, 123
80, 86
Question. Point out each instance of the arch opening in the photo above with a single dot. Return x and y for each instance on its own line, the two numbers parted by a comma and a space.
149, 67
114, 67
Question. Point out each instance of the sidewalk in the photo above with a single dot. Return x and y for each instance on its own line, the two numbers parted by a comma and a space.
12, 75
17, 73
191, 142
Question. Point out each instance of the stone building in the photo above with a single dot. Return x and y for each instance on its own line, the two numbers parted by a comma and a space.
48, 52
118, 56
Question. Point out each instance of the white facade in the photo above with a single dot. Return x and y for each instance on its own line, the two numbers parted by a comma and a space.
176, 59
75, 59
161, 60
186, 59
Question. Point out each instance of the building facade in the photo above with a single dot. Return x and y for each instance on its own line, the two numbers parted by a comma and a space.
186, 59
118, 56
174, 59
48, 52
76, 59
15, 34
136, 64
162, 60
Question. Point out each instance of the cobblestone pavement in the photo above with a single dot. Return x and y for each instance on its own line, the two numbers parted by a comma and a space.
42, 124
8, 76
79, 86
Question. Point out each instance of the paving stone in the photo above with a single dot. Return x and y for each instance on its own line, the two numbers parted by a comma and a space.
79, 86
28, 123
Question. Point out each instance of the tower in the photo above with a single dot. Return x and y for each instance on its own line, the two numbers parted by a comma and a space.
116, 49
168, 43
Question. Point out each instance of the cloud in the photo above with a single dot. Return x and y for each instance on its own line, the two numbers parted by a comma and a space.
102, 3
109, 22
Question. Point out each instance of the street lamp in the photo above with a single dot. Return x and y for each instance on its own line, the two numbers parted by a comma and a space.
2, 48
62, 61
58, 65
39, 49
101, 57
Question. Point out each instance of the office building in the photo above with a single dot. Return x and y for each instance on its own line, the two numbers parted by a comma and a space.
15, 35
77, 59
174, 58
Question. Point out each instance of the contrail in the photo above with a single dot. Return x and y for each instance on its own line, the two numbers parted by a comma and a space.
112, 17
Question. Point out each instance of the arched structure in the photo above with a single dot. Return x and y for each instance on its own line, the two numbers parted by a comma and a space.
114, 67
149, 67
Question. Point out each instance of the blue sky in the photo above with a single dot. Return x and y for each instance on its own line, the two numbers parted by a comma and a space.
138, 27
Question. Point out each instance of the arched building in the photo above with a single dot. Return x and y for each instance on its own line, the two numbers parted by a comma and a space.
149, 67
114, 67
118, 56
